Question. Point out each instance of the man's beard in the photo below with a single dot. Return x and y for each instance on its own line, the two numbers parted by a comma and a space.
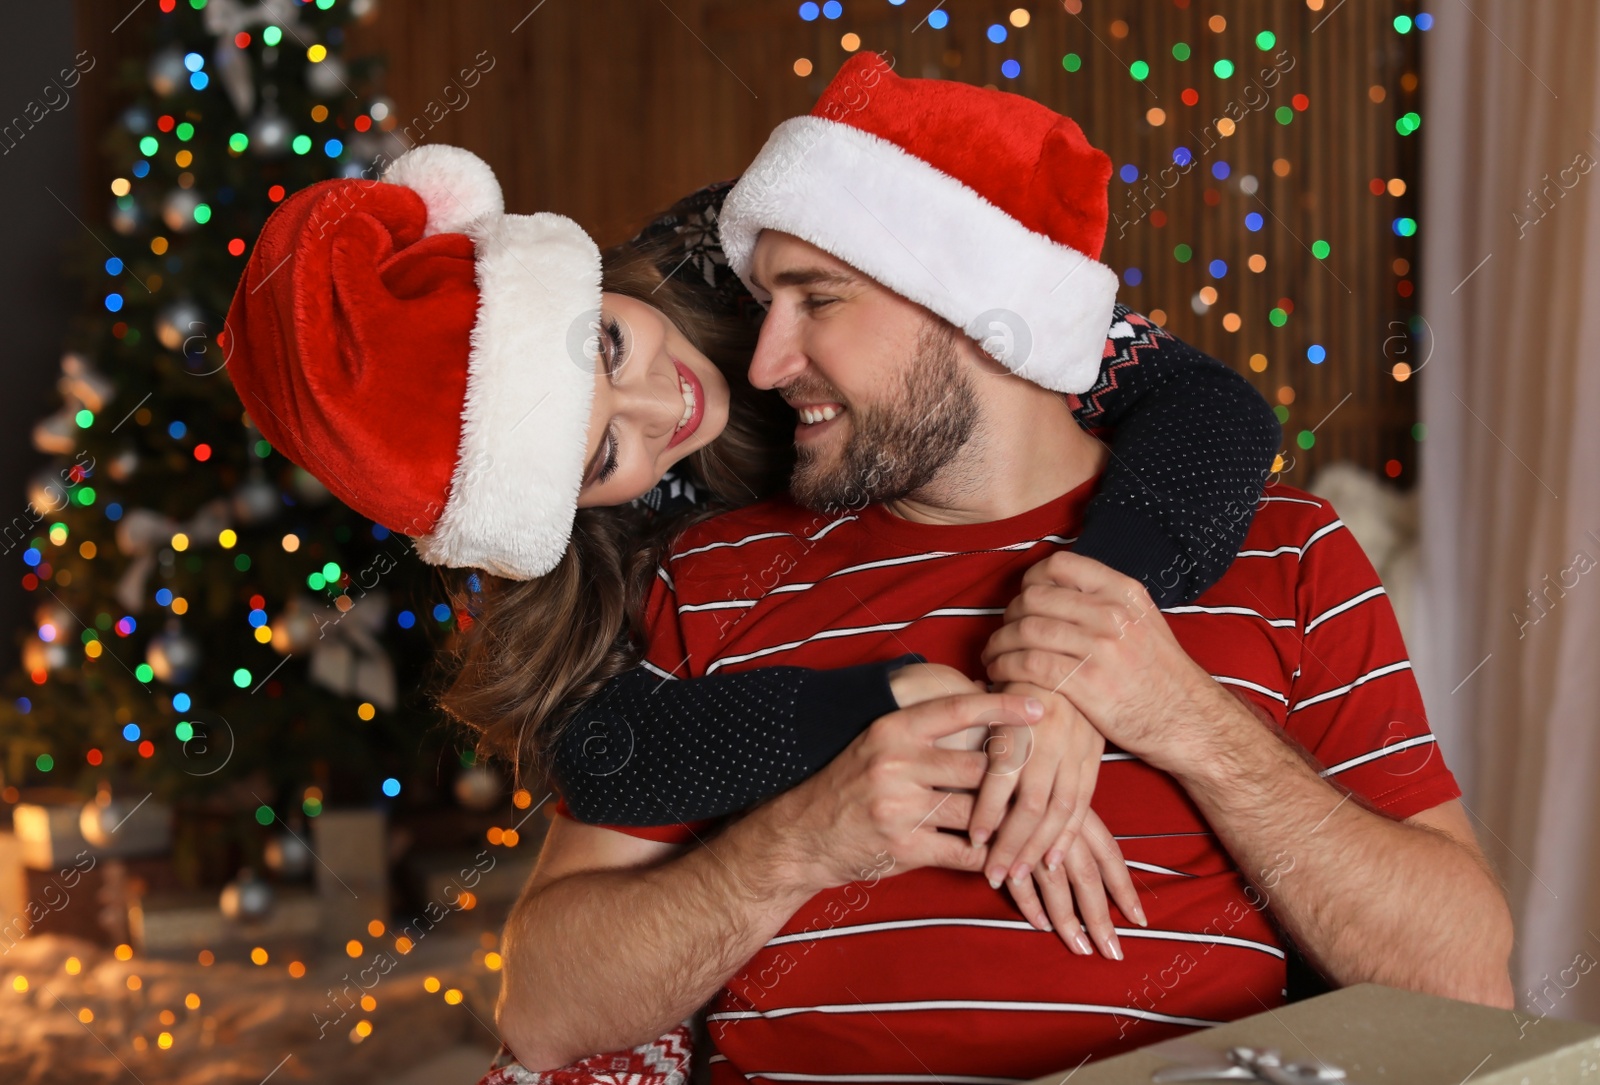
896, 447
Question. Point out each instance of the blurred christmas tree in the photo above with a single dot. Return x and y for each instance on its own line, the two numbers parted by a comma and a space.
210, 623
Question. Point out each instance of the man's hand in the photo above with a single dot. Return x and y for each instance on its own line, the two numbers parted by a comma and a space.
892, 790
1094, 636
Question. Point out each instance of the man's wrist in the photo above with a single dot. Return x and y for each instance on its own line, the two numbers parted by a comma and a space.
769, 856
1217, 744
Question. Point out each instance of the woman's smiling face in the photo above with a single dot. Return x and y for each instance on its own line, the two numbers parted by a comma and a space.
656, 399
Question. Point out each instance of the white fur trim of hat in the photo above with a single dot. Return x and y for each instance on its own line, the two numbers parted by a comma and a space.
530, 375
1039, 307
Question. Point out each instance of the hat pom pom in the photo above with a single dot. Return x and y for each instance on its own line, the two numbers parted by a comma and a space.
456, 186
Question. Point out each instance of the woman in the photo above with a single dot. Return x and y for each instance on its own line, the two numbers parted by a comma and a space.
401, 343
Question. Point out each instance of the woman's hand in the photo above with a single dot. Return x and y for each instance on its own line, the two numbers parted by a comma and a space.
1045, 772
1093, 866
1084, 861
918, 682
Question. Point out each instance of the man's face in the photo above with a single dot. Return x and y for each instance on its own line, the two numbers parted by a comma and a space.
884, 389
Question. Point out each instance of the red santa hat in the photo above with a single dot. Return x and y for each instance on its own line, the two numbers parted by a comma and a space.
987, 208
426, 356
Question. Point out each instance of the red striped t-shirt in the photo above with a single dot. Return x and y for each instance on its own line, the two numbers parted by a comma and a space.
931, 975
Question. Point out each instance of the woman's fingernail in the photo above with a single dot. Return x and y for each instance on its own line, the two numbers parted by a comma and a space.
1081, 944
1138, 916
1021, 873
980, 838
996, 876
1042, 923
1033, 707
1052, 860
1116, 946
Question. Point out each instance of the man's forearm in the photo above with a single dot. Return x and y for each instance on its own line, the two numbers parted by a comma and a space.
604, 960
1367, 898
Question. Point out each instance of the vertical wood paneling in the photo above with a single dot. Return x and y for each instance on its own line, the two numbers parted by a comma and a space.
607, 110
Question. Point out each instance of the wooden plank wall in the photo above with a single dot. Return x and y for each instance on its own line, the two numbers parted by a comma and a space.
606, 110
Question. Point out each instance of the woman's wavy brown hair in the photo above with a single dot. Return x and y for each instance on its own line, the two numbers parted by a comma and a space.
529, 652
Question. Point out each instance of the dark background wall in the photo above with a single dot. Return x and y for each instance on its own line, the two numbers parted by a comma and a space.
38, 174
607, 110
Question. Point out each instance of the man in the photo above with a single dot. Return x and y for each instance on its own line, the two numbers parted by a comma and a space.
1272, 756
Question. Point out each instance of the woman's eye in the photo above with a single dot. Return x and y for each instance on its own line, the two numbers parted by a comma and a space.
611, 347
609, 466
817, 302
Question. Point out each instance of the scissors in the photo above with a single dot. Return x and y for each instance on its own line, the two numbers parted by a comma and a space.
1251, 1064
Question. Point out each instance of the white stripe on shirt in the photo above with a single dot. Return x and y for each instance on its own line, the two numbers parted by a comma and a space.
853, 631
903, 924
1295, 550
1370, 593
1403, 665
1021, 926
1245, 683
1208, 939
1276, 623
965, 1004
912, 559
763, 535
1375, 755
1319, 533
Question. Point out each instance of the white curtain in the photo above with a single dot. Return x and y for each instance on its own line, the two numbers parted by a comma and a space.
1508, 625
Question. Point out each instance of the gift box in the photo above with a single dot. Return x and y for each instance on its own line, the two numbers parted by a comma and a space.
178, 927
52, 834
350, 849
49, 834
1378, 1036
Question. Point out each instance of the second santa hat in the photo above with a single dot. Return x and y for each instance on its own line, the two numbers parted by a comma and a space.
426, 356
987, 208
